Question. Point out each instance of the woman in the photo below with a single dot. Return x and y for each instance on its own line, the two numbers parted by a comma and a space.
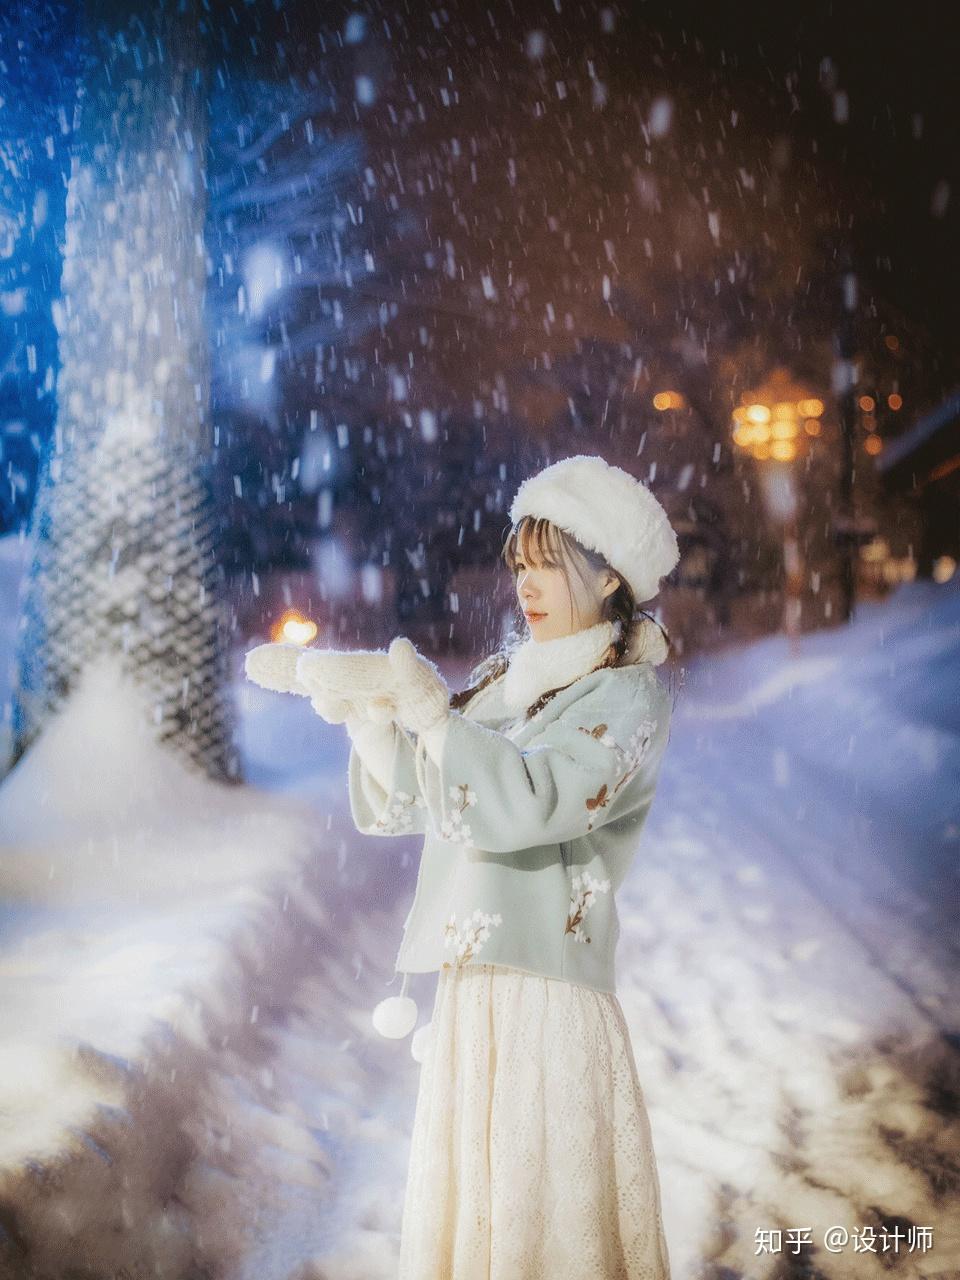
531, 1153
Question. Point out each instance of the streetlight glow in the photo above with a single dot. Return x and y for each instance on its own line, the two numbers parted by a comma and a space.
294, 628
668, 400
767, 426
810, 408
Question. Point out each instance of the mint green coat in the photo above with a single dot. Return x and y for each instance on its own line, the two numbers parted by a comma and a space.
530, 826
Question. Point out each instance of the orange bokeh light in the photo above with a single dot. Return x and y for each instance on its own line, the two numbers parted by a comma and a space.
668, 400
293, 628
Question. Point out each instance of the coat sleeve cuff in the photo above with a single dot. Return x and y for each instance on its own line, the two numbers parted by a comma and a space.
434, 738
374, 745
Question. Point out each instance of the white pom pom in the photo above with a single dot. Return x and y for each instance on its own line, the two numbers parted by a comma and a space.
395, 1017
422, 1042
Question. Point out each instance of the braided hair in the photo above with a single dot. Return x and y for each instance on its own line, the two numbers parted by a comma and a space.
556, 547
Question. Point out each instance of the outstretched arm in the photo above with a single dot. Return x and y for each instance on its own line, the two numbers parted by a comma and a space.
384, 793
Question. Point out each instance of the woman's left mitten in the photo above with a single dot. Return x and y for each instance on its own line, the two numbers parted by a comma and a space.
332, 707
362, 676
422, 694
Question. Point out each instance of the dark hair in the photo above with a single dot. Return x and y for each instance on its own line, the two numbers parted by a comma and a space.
556, 548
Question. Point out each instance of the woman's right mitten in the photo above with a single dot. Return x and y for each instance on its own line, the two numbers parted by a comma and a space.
332, 707
274, 667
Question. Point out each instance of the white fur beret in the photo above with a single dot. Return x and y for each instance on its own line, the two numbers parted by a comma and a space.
606, 510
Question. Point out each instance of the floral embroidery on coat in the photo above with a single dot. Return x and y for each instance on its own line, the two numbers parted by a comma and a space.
469, 939
630, 758
398, 818
454, 828
584, 890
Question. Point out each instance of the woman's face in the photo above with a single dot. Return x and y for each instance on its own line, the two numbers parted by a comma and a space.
554, 606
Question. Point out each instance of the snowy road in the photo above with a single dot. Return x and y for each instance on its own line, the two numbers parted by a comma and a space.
787, 966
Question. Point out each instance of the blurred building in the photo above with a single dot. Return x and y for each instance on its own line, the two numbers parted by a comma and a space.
921, 467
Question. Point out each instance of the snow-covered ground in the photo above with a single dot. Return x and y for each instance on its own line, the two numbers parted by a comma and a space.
189, 1082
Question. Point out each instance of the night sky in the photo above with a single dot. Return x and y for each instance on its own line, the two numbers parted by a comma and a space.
894, 63
786, 71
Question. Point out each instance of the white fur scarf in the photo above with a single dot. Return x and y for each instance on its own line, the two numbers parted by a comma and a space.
536, 666
539, 665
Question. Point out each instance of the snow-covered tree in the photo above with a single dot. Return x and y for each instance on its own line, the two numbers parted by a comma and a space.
124, 556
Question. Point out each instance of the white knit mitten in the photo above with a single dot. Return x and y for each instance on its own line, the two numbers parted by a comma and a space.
368, 712
332, 707
361, 676
422, 695
274, 667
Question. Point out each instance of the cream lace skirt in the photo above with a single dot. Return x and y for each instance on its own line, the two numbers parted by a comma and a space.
531, 1154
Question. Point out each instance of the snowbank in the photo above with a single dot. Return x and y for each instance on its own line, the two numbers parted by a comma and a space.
144, 914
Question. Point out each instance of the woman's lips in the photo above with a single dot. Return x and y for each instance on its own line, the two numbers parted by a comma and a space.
532, 616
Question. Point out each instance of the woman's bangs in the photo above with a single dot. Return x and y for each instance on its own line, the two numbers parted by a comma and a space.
540, 544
